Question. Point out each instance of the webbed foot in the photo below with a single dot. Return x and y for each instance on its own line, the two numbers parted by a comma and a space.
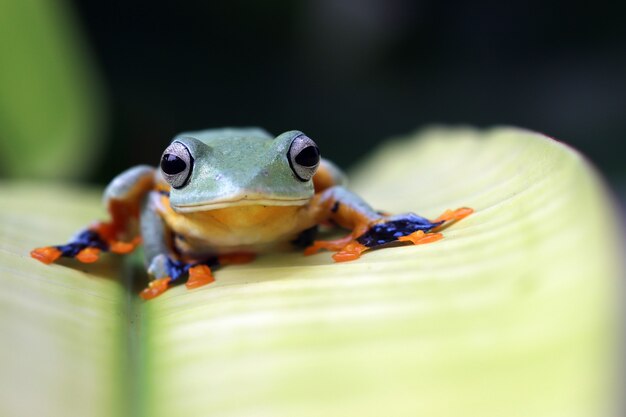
47, 254
86, 246
420, 238
155, 288
400, 228
169, 271
199, 276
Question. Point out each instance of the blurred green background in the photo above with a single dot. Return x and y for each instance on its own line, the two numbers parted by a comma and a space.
90, 88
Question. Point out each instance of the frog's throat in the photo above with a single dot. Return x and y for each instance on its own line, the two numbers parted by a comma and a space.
242, 201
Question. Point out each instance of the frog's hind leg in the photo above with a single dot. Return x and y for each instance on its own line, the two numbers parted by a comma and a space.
371, 229
400, 228
404, 228
445, 220
119, 235
411, 228
337, 205
85, 247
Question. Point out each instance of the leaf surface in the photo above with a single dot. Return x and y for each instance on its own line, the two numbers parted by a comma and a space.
62, 329
510, 314
513, 313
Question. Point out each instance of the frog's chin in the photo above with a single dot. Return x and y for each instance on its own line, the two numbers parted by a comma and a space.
238, 202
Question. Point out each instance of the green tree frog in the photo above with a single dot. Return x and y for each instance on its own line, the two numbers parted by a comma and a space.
221, 196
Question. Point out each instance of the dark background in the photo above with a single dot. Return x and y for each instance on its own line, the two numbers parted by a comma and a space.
352, 72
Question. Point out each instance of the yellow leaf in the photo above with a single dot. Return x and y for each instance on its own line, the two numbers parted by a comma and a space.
513, 313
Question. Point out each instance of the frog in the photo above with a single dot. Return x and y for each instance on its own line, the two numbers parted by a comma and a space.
224, 196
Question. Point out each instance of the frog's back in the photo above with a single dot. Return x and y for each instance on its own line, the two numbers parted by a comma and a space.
211, 136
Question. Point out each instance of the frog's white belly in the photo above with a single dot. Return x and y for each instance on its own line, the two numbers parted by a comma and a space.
253, 228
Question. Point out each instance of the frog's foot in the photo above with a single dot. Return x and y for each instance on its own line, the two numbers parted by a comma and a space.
350, 252
170, 271
420, 238
47, 254
122, 248
411, 228
421, 230
389, 230
199, 275
155, 288
393, 229
86, 246
346, 247
398, 229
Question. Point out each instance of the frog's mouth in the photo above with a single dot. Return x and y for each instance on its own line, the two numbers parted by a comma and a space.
237, 202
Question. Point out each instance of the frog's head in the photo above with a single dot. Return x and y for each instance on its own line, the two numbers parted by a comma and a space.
209, 170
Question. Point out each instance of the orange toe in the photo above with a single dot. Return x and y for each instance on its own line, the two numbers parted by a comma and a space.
444, 217
420, 238
121, 247
429, 238
88, 255
457, 214
462, 213
345, 256
350, 252
155, 288
46, 255
413, 237
199, 275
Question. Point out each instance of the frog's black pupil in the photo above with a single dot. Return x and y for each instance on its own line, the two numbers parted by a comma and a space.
308, 157
172, 165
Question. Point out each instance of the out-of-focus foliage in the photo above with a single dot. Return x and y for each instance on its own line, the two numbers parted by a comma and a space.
512, 314
50, 101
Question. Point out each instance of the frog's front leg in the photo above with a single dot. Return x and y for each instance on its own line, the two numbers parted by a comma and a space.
118, 235
371, 229
163, 262
338, 206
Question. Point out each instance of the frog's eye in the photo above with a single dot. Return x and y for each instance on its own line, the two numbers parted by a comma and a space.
176, 164
304, 157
